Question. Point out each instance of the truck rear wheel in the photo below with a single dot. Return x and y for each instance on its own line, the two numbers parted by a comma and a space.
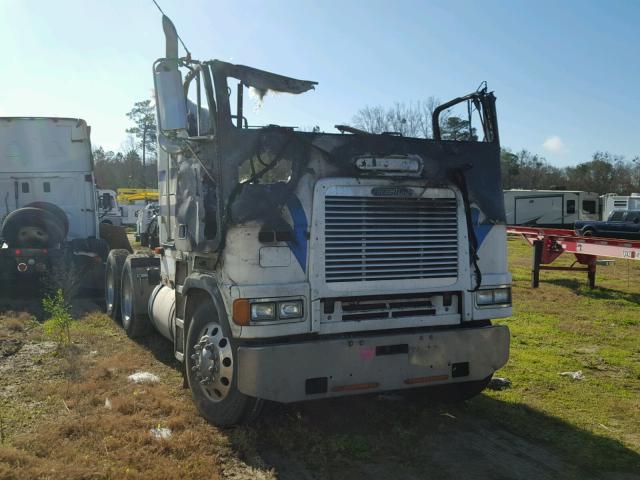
134, 322
210, 363
55, 210
113, 276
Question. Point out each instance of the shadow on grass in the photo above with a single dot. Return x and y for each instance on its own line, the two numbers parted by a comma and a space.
161, 348
407, 436
581, 288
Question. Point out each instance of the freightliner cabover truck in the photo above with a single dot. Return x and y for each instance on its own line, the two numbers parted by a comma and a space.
300, 265
49, 224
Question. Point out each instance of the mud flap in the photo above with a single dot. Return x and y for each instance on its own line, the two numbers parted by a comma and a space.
116, 237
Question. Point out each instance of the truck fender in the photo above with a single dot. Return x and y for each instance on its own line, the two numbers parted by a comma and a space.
198, 287
140, 266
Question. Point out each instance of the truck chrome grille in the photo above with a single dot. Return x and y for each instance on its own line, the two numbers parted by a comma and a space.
373, 238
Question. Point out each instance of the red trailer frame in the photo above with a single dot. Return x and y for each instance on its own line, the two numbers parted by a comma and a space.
549, 243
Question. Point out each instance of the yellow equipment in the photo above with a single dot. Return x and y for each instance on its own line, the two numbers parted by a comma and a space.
130, 195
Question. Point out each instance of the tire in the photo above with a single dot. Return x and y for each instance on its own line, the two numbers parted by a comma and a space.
112, 279
136, 324
588, 232
54, 209
219, 401
47, 225
459, 392
153, 238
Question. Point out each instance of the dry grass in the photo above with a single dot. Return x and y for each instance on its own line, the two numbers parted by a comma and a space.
78, 437
56, 425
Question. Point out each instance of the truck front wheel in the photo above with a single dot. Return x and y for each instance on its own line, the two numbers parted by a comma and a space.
210, 363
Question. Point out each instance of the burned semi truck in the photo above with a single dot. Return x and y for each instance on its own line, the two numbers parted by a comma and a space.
300, 265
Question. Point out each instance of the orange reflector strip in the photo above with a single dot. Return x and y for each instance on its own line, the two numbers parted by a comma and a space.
241, 311
158, 251
355, 386
433, 378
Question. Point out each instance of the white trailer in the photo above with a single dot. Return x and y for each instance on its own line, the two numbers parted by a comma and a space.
550, 208
48, 201
613, 201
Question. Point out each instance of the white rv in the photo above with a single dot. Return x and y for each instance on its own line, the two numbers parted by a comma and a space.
550, 208
613, 201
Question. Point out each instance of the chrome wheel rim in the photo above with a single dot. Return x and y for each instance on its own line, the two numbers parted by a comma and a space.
110, 291
127, 303
212, 362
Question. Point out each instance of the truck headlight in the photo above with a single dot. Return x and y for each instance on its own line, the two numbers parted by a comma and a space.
263, 311
496, 296
290, 309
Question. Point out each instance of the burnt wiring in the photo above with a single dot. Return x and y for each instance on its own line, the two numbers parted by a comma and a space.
195, 155
460, 179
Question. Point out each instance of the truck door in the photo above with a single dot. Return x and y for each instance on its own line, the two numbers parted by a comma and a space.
632, 225
615, 226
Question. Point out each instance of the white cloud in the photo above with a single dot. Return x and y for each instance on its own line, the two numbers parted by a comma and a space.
554, 144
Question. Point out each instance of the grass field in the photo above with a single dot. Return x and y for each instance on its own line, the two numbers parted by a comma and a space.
54, 422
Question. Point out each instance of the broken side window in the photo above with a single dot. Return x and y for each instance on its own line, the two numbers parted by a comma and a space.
198, 116
467, 119
261, 169
460, 123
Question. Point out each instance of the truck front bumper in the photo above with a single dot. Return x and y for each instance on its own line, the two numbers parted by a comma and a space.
291, 372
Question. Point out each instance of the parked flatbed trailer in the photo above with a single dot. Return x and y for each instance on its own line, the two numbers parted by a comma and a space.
549, 243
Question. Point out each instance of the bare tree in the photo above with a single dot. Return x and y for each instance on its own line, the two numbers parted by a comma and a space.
408, 119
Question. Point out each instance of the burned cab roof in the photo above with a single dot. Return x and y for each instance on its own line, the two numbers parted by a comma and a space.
261, 80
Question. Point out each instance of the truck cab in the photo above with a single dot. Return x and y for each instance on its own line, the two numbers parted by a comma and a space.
301, 265
108, 209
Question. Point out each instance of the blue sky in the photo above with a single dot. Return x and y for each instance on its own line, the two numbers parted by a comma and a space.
565, 73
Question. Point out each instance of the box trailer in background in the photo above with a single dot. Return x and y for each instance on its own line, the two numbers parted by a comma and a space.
550, 208
613, 201
48, 204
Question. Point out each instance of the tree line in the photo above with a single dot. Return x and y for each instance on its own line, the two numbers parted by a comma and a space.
135, 166
603, 173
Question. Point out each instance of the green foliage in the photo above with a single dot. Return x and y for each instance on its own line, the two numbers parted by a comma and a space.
116, 170
58, 325
455, 128
604, 173
143, 115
